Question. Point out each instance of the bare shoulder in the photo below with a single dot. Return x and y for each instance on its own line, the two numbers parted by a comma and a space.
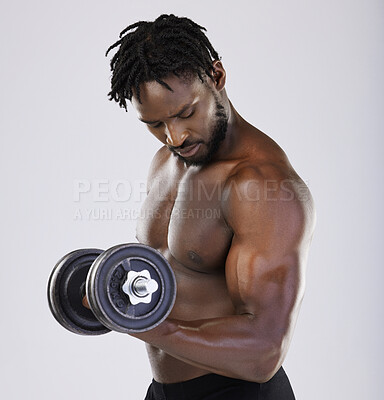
264, 190
158, 165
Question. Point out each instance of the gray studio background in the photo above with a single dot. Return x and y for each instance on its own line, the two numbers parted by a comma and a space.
308, 73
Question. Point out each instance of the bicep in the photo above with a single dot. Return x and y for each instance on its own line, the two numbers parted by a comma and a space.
270, 287
266, 261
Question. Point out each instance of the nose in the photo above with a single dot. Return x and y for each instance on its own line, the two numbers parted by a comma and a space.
175, 134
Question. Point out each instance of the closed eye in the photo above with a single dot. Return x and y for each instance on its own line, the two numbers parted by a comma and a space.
156, 125
188, 116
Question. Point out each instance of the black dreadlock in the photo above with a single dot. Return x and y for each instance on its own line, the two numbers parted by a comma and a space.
155, 50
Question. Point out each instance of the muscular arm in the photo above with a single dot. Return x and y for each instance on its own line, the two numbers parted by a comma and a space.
265, 279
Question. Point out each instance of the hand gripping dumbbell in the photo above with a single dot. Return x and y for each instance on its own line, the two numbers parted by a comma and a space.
130, 288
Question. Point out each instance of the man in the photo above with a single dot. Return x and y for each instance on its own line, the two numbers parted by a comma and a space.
227, 210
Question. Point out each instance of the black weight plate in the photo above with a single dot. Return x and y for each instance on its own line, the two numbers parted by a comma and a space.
66, 289
107, 299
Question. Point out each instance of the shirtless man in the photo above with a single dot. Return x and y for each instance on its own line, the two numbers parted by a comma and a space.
226, 209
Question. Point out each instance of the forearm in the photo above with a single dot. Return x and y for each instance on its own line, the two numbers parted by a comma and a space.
234, 346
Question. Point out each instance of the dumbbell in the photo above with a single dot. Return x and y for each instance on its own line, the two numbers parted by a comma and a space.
130, 288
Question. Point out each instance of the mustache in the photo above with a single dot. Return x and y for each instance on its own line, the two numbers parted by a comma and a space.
187, 143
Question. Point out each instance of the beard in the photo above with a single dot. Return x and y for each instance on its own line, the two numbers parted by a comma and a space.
218, 134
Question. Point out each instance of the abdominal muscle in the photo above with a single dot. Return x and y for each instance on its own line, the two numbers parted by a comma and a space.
200, 295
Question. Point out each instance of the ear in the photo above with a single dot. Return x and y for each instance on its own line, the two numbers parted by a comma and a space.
219, 75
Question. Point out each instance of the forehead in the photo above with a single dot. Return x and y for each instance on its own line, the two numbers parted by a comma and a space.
157, 101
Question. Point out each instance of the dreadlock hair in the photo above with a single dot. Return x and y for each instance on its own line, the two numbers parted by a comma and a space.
151, 51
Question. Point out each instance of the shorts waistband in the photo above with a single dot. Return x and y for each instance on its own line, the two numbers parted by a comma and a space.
195, 387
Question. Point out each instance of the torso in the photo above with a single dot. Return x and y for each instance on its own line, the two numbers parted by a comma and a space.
182, 218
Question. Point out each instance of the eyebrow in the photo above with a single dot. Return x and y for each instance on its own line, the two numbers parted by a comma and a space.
184, 108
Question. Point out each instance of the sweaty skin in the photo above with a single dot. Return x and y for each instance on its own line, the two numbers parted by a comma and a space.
235, 230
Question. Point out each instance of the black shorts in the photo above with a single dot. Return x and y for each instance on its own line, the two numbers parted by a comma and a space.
212, 386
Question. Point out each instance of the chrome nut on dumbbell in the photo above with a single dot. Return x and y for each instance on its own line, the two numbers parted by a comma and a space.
139, 287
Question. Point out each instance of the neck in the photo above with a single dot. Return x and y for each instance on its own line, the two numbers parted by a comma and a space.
229, 144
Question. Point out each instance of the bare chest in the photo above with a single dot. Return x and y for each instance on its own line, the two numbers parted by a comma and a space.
183, 218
